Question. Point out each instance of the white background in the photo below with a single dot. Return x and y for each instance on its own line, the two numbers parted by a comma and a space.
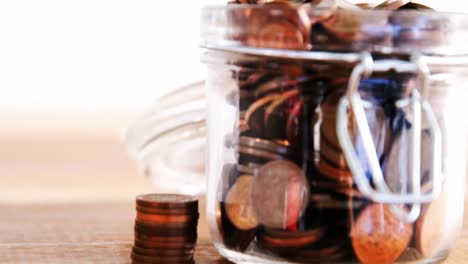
101, 55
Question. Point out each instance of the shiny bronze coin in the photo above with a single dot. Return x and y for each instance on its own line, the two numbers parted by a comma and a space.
253, 156
276, 115
392, 4
159, 211
415, 6
365, 5
238, 205
433, 228
276, 85
152, 244
191, 238
328, 127
287, 240
276, 147
162, 252
378, 236
350, 25
279, 35
325, 201
164, 219
167, 201
332, 185
160, 259
233, 237
164, 230
287, 195
281, 28
341, 175
255, 113
274, 238
334, 156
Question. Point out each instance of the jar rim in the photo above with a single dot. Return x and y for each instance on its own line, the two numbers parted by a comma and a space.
376, 31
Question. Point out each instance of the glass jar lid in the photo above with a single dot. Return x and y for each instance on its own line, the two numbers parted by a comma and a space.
168, 141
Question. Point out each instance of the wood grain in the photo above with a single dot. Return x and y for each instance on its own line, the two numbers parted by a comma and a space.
98, 233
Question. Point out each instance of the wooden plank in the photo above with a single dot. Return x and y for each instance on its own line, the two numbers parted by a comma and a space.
99, 233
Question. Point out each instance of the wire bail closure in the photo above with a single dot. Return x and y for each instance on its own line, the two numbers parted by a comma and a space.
418, 106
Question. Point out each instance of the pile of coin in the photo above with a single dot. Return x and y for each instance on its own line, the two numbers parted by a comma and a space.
332, 25
292, 193
165, 228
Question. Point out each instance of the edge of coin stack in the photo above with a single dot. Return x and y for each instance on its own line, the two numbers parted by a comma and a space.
165, 228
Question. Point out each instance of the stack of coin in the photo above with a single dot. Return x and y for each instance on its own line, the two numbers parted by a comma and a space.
165, 228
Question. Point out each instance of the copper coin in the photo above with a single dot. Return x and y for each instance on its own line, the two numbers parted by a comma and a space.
392, 4
324, 201
277, 147
152, 244
334, 156
289, 30
278, 244
335, 245
158, 211
238, 205
159, 259
287, 195
415, 6
378, 236
276, 85
349, 25
167, 201
166, 231
162, 252
286, 240
341, 175
170, 240
328, 126
277, 113
164, 219
331, 185
192, 222
256, 111
279, 33
365, 5
232, 237
251, 155
433, 227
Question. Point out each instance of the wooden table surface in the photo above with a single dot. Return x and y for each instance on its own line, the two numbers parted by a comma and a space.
66, 193
97, 233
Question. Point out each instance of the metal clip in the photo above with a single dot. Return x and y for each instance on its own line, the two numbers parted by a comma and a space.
382, 192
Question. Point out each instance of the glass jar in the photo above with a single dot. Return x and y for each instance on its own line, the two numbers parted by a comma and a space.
335, 135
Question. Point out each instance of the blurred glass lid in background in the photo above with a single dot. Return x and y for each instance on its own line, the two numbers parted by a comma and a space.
168, 141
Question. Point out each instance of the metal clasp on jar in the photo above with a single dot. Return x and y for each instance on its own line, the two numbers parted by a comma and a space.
419, 108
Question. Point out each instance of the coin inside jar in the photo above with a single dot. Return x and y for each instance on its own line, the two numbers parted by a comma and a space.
431, 228
279, 194
277, 113
256, 111
379, 236
238, 206
332, 155
280, 240
392, 4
